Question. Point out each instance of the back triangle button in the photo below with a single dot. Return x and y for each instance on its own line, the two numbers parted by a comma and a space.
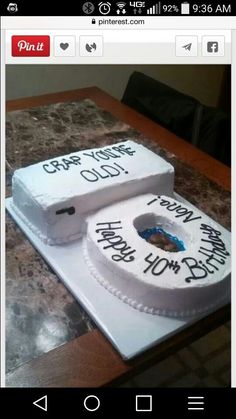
42, 403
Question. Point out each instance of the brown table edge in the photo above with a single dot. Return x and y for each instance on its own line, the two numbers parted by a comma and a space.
27, 374
196, 158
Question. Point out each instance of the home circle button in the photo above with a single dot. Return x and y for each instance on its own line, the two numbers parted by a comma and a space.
91, 403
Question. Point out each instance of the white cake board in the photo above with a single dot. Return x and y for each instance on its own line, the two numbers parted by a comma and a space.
129, 330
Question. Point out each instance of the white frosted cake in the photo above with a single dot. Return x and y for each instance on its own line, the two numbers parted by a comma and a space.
187, 275
53, 197
154, 253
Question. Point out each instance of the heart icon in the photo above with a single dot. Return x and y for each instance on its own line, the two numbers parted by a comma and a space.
64, 46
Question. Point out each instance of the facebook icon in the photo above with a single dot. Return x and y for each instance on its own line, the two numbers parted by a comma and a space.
212, 47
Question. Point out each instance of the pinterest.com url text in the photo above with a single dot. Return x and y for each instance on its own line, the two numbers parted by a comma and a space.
121, 22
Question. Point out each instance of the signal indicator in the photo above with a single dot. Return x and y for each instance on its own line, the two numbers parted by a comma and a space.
155, 9
121, 7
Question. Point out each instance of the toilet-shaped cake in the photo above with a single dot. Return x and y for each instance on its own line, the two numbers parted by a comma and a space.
156, 254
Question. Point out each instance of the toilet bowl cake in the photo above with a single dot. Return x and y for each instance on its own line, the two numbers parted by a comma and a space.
154, 253
159, 255
53, 197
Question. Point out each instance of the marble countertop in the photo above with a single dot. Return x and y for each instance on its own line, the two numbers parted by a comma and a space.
41, 314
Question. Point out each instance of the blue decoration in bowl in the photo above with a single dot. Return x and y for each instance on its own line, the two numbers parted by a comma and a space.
146, 234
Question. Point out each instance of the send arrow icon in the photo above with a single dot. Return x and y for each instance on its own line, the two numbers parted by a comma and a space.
187, 46
42, 403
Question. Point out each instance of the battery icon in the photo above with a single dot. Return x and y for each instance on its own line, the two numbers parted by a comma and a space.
185, 8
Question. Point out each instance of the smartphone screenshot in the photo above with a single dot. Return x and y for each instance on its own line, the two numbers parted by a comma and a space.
116, 209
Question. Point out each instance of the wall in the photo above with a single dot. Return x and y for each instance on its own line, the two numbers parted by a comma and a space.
201, 81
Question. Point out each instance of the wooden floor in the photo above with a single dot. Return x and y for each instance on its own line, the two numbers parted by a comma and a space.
204, 363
